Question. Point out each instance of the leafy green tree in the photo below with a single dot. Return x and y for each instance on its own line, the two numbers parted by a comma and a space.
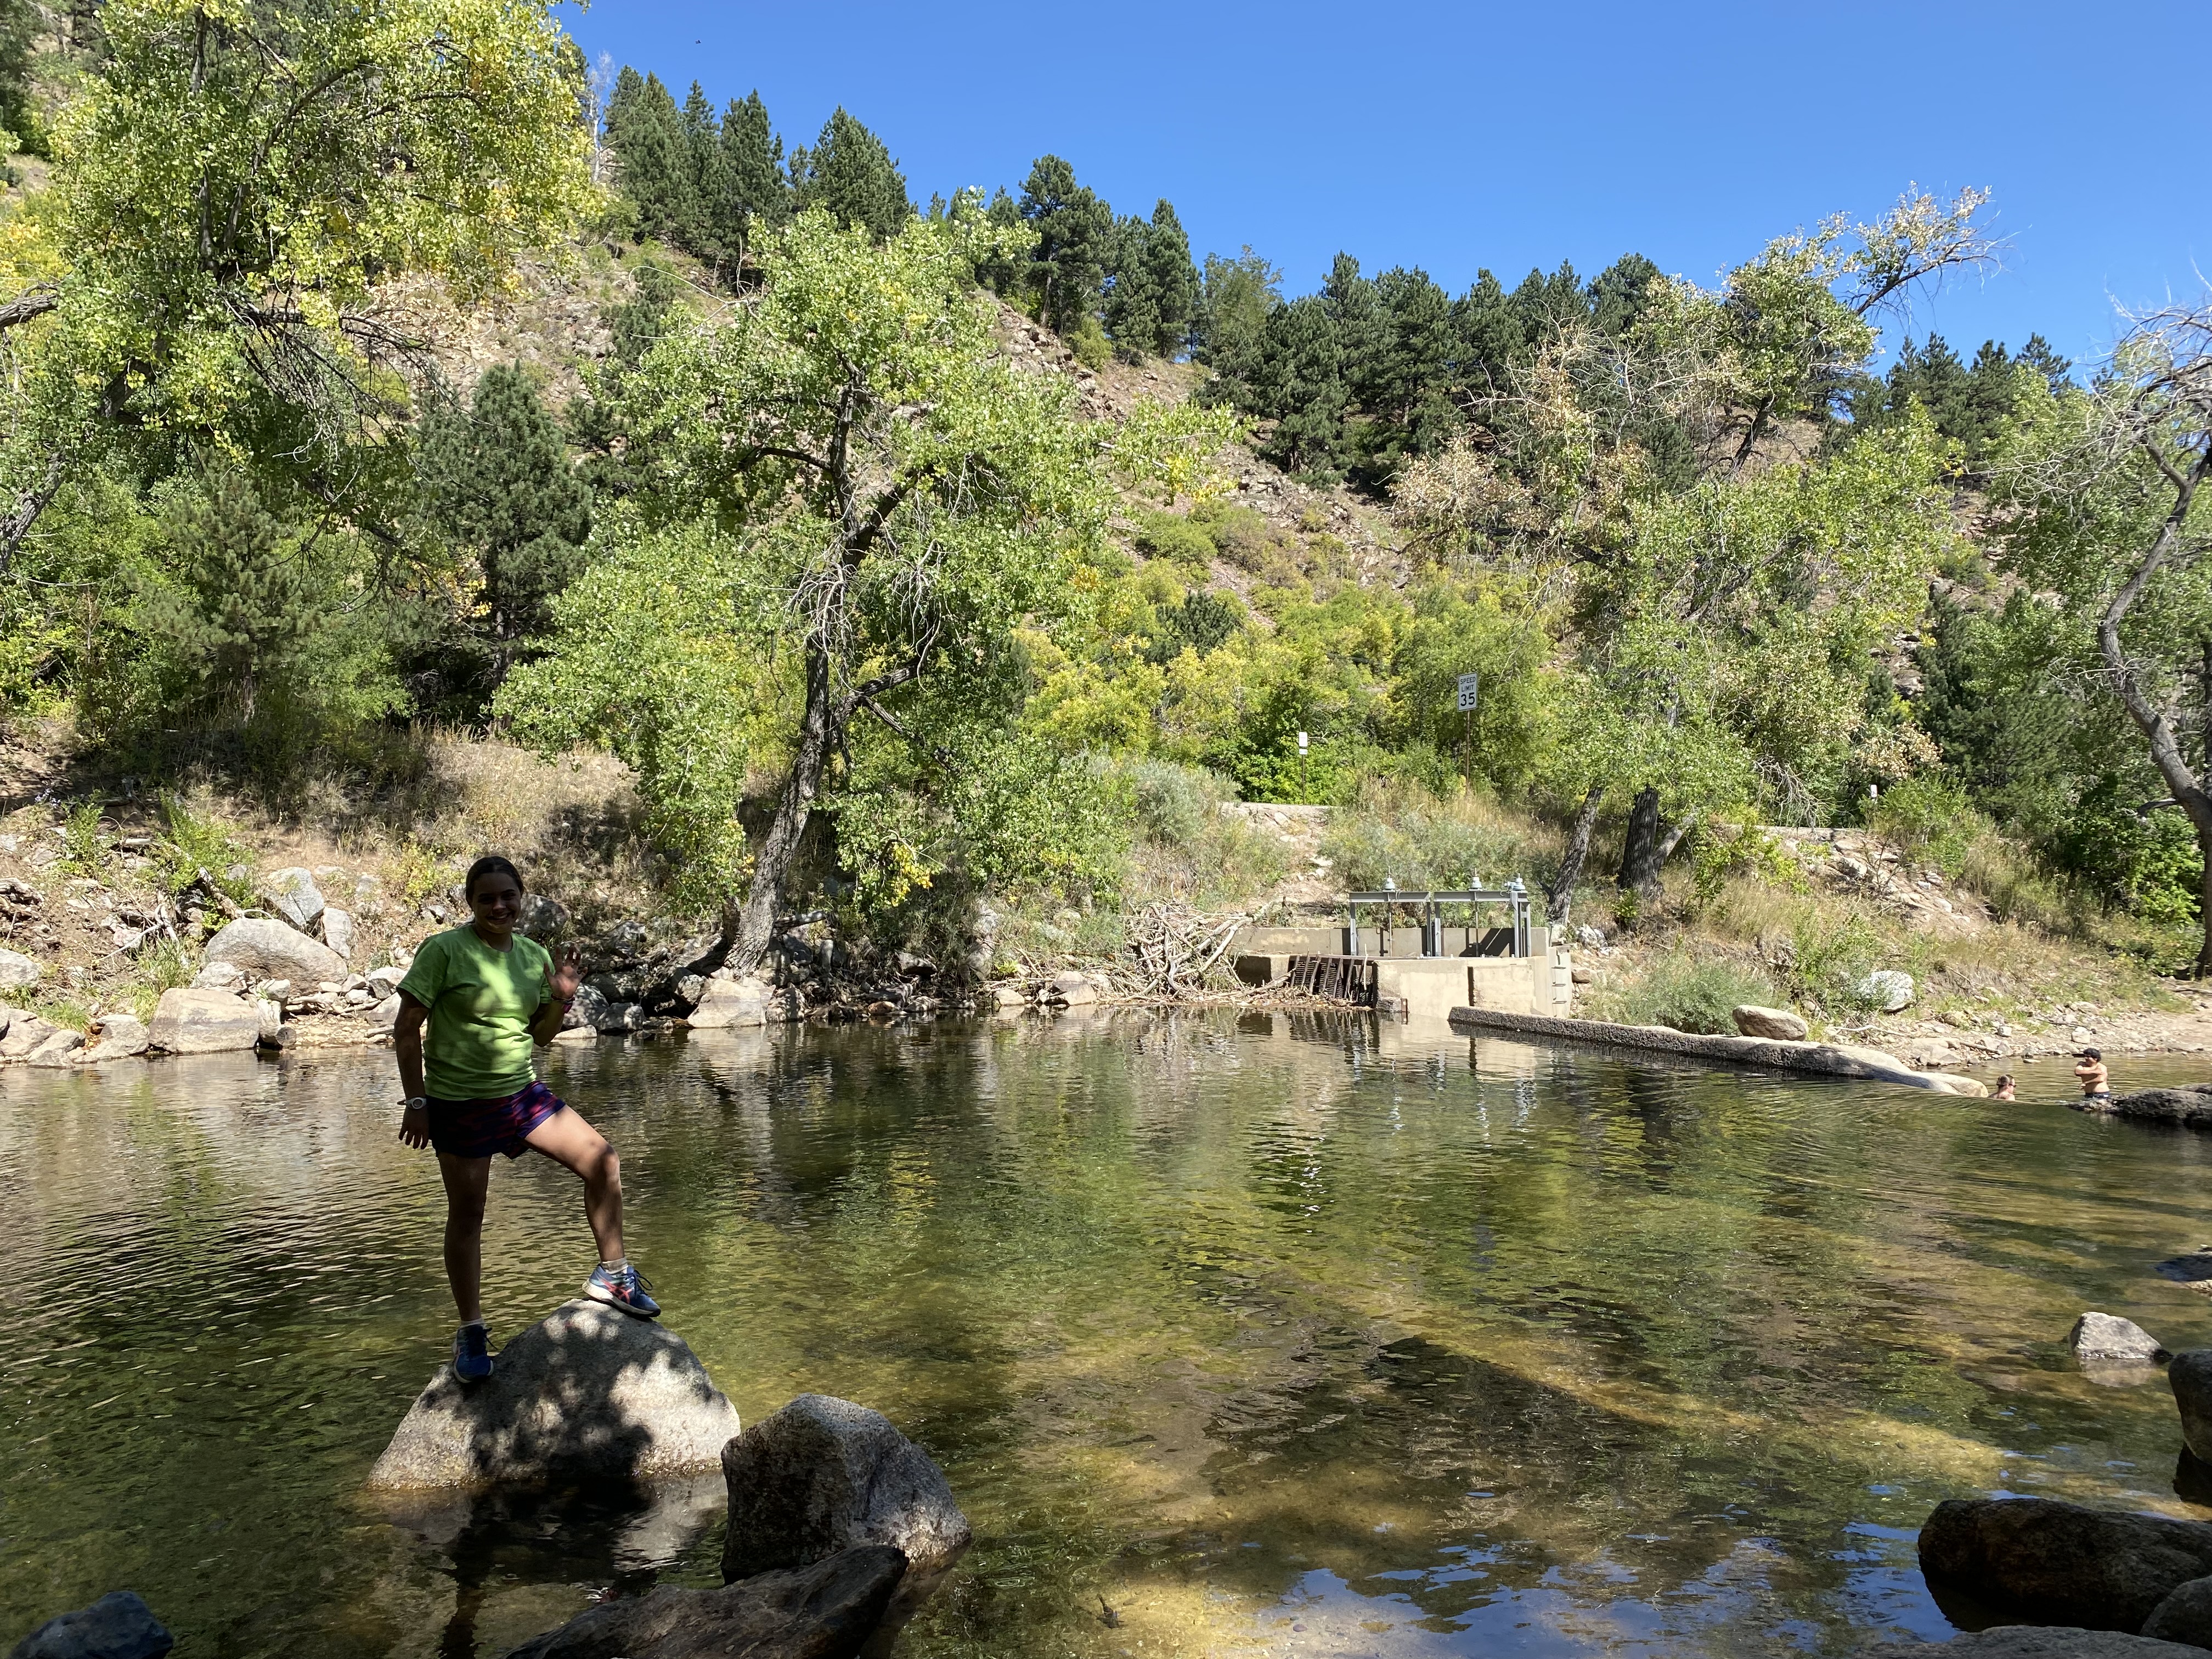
594, 419
1074, 241
2101, 493
231, 199
851, 503
850, 175
496, 480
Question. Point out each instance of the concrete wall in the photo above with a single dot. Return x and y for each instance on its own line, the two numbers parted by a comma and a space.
1430, 987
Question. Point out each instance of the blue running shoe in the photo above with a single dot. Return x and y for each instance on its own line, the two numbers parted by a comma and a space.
472, 1353
622, 1287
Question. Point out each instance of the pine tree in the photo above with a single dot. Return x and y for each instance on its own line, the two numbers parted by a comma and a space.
1355, 315
645, 130
497, 479
700, 233
1003, 274
1620, 294
2038, 355
1303, 388
19, 21
1489, 333
851, 175
1131, 309
758, 197
1075, 229
240, 607
1173, 279
1237, 298
1152, 293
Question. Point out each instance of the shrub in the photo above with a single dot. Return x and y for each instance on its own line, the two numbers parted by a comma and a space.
1175, 539
1174, 804
1397, 829
1928, 814
196, 843
1690, 994
86, 842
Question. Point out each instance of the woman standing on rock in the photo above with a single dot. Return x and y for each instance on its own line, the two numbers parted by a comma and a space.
489, 994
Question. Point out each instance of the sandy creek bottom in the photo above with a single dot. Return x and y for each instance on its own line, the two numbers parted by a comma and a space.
1278, 1335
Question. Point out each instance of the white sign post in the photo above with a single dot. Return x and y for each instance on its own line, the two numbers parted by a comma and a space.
1469, 686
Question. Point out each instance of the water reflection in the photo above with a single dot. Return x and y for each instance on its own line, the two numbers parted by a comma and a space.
1285, 1332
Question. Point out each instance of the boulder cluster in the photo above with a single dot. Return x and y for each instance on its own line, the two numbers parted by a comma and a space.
2090, 1583
840, 1527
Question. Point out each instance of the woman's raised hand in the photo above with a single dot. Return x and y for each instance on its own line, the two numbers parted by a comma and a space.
568, 972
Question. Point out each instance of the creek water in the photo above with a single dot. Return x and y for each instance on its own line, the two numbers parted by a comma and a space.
1271, 1334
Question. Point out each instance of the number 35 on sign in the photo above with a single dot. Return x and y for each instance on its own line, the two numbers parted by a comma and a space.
1469, 685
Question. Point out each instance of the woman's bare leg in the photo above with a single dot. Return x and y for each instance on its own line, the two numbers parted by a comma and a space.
467, 1180
569, 1140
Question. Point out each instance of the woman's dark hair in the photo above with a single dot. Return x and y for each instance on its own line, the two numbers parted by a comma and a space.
489, 864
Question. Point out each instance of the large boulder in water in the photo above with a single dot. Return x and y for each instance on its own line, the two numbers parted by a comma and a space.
118, 1626
2185, 1616
588, 1393
2034, 1642
2062, 1561
830, 1610
824, 1475
265, 949
2189, 1377
2107, 1336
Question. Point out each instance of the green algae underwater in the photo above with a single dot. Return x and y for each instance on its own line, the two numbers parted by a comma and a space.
1272, 1334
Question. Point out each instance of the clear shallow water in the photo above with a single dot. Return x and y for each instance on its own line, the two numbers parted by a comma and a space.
1284, 1336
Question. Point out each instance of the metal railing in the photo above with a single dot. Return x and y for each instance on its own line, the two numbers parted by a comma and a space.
1430, 906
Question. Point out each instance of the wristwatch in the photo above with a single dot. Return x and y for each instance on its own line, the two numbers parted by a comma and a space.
414, 1101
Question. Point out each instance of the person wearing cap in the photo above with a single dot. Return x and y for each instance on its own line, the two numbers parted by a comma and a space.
2096, 1081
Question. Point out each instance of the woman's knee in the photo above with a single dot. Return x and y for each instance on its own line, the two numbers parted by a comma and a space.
606, 1165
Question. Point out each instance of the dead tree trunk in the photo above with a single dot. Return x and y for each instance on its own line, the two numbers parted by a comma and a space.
1559, 896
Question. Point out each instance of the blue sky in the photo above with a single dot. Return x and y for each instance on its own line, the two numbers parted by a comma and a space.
1457, 136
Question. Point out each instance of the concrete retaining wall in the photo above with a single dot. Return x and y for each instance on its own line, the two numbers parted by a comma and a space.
1831, 1060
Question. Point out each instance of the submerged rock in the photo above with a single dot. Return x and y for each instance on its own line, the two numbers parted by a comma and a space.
829, 1610
824, 1475
587, 1392
2091, 1568
1753, 1020
203, 1023
2186, 1109
2185, 1615
118, 1626
263, 949
2189, 1377
2104, 1336
2033, 1642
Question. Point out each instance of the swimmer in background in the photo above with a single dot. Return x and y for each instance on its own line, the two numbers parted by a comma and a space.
2004, 1089
2096, 1080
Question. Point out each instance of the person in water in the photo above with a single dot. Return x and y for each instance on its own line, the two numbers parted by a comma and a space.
489, 993
2096, 1081
2004, 1089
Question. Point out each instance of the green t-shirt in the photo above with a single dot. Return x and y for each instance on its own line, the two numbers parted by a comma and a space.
481, 1002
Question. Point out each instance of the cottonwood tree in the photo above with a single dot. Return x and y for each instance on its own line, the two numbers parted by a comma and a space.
236, 189
847, 507
2101, 501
